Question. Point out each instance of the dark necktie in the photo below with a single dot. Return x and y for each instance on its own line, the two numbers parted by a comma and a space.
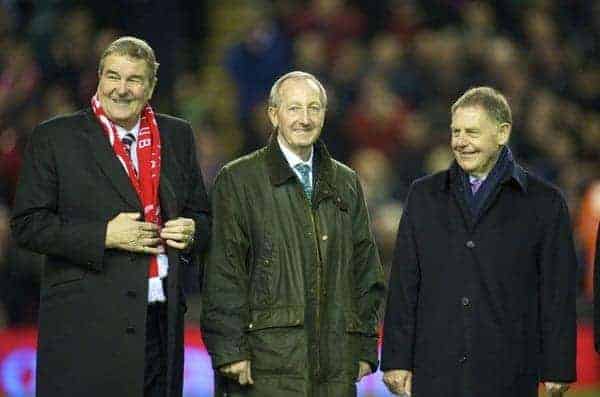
304, 171
127, 141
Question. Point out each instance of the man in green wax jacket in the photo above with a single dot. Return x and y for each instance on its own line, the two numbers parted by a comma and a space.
293, 283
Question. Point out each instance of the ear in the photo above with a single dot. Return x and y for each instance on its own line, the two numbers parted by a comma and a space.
151, 89
503, 135
272, 112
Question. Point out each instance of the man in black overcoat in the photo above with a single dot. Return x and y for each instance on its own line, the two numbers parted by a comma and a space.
482, 290
113, 196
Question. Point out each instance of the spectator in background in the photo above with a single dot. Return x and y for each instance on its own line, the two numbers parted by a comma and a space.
263, 53
482, 289
118, 219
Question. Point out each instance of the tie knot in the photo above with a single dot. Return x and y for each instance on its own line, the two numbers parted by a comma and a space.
128, 139
303, 169
475, 184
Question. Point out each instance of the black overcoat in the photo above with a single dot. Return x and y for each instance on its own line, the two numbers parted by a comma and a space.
93, 300
482, 306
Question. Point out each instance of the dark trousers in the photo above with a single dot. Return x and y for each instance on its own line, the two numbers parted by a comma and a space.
155, 374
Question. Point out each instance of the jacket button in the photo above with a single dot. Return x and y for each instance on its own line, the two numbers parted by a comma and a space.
130, 329
463, 359
325, 237
250, 326
470, 244
465, 301
131, 294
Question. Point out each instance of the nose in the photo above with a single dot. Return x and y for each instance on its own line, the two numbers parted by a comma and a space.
122, 87
304, 119
459, 141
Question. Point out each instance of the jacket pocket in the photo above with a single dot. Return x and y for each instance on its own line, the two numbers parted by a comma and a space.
277, 341
63, 283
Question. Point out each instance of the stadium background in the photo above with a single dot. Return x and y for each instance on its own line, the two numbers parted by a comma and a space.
391, 69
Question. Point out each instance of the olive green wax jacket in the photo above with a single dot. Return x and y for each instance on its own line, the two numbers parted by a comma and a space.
295, 286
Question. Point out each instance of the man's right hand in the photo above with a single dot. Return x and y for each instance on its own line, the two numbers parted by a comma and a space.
398, 381
126, 232
239, 371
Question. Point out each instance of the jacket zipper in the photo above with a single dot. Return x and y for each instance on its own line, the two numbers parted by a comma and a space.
318, 281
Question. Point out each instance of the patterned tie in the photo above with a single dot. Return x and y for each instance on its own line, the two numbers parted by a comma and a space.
475, 184
304, 171
128, 140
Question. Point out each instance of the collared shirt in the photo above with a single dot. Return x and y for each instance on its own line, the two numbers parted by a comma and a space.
121, 132
293, 159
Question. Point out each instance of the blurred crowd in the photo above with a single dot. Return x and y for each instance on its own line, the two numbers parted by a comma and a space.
391, 68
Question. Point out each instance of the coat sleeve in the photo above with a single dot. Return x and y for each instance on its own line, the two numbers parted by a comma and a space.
401, 309
225, 311
197, 206
597, 293
370, 281
557, 271
36, 224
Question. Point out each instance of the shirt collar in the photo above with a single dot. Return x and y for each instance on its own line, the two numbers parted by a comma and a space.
134, 131
292, 158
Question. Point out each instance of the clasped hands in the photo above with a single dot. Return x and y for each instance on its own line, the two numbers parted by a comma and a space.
241, 372
399, 382
128, 232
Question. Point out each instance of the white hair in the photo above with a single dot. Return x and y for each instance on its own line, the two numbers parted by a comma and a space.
275, 100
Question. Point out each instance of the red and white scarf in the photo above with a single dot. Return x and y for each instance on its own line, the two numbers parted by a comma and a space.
146, 184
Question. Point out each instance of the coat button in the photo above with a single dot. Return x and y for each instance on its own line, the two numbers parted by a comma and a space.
470, 244
131, 294
465, 301
463, 359
130, 329
250, 326
325, 237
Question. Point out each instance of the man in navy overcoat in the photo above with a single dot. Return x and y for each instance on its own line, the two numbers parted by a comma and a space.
482, 290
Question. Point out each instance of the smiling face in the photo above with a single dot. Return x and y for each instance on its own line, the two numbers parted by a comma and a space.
477, 139
299, 116
124, 88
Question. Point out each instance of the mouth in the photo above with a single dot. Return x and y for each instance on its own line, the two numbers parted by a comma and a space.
121, 101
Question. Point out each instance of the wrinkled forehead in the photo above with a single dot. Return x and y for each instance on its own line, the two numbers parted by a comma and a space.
300, 90
126, 64
470, 116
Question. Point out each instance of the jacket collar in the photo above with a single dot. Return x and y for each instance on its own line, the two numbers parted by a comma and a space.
280, 171
517, 175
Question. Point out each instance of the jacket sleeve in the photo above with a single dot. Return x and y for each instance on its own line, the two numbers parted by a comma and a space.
197, 206
225, 311
557, 270
36, 223
597, 293
369, 280
401, 309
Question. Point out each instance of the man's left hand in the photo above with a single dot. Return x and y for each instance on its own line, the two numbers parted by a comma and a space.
179, 233
555, 389
364, 369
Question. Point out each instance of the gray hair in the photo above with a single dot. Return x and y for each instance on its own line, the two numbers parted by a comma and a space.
134, 48
490, 99
275, 100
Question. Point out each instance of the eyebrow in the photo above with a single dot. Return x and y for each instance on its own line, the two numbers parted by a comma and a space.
133, 76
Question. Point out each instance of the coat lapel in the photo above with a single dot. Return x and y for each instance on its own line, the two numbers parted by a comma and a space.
104, 155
